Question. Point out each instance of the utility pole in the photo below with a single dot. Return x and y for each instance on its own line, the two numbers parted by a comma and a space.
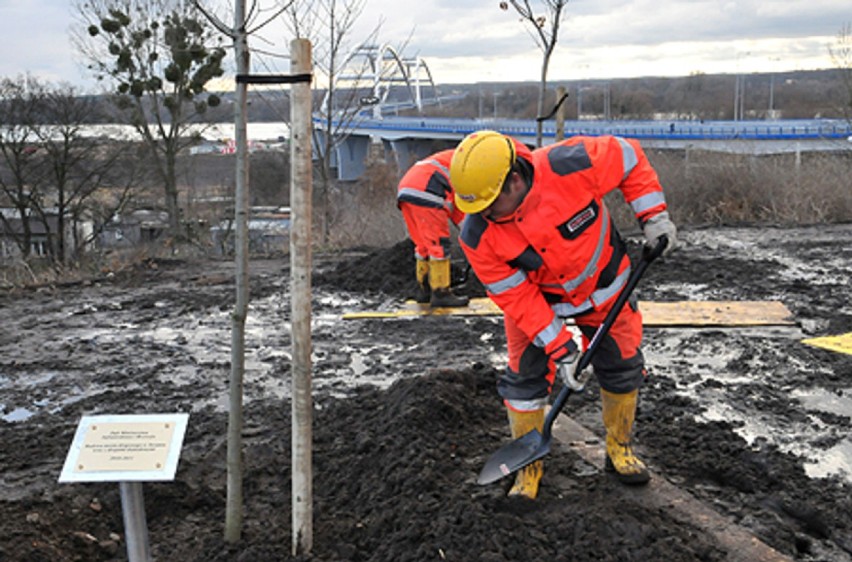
771, 113
579, 101
300, 296
739, 90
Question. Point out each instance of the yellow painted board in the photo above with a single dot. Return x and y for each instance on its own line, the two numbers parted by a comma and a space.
476, 307
682, 313
841, 343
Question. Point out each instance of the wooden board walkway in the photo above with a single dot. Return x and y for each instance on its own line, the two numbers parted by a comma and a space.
741, 545
680, 313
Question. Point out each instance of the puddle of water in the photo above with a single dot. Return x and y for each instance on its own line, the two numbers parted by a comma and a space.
358, 365
29, 381
668, 350
825, 400
18, 415
687, 291
837, 460
750, 428
67, 401
51, 406
180, 375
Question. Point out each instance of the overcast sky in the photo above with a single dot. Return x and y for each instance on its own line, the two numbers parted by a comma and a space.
472, 40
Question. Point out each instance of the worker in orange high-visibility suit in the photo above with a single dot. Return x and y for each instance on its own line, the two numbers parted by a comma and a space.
541, 240
425, 197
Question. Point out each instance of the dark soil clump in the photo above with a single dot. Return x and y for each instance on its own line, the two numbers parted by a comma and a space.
406, 413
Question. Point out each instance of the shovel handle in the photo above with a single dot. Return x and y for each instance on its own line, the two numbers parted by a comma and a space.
649, 254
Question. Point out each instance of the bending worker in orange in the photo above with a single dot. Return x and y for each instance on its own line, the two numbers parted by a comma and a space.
541, 240
425, 197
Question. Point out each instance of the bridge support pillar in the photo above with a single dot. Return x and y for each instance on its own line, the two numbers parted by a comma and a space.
350, 157
408, 151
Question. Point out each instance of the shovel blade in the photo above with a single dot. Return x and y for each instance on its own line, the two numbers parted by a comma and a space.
514, 456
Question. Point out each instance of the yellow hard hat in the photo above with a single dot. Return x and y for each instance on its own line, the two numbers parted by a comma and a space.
479, 167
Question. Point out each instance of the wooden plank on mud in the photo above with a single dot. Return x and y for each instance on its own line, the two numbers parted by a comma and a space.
740, 545
661, 314
716, 313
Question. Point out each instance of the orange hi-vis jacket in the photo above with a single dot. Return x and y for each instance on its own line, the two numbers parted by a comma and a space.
427, 184
559, 254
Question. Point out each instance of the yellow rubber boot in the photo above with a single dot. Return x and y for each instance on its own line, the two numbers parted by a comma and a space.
528, 478
439, 279
619, 411
422, 274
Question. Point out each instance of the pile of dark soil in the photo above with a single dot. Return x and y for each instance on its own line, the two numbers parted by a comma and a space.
394, 475
390, 271
395, 464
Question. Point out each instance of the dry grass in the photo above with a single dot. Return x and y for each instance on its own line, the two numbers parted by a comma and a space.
727, 189
364, 213
702, 188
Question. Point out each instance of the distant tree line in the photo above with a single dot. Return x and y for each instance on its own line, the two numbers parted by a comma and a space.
784, 95
791, 95
53, 178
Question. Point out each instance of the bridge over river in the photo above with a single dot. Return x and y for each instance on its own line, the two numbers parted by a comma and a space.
409, 138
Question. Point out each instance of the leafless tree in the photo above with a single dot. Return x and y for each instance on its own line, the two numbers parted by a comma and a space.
244, 25
157, 56
328, 24
20, 174
543, 24
53, 173
78, 167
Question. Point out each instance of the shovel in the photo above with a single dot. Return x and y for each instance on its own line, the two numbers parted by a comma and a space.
534, 445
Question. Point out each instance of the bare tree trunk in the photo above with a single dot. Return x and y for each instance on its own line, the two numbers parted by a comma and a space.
539, 124
171, 194
234, 507
560, 114
300, 295
544, 28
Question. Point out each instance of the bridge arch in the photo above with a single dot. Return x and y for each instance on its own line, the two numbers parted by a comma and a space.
377, 73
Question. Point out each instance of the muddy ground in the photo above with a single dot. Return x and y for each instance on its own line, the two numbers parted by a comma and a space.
752, 422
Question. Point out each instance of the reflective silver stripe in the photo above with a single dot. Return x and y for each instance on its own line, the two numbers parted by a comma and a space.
648, 202
509, 282
435, 163
527, 405
566, 309
544, 337
592, 266
606, 293
417, 256
628, 156
412, 195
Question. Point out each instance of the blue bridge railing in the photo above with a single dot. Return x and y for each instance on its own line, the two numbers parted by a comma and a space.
813, 129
